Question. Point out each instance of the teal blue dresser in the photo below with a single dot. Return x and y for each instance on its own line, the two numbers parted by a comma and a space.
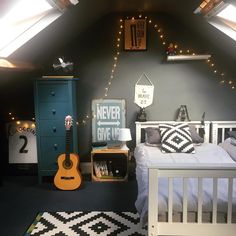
55, 98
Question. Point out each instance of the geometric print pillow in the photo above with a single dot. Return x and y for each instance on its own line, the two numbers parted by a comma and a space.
176, 138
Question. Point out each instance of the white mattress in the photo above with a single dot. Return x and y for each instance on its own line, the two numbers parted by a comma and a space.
147, 156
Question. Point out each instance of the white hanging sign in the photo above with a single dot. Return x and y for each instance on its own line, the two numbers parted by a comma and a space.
144, 93
22, 142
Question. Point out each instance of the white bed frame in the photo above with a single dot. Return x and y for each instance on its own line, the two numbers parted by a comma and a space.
185, 171
143, 125
219, 130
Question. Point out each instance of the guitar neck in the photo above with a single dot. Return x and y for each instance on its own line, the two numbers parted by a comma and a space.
68, 134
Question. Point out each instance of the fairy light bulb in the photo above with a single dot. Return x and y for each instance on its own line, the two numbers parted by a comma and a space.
140, 16
155, 26
212, 64
18, 122
215, 71
150, 21
26, 125
121, 20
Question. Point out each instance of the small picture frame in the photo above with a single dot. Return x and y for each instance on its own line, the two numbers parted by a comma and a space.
135, 34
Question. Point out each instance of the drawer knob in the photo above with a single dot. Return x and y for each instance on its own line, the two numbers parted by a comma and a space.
55, 146
53, 93
54, 129
53, 111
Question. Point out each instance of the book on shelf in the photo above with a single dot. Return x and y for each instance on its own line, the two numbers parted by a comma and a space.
97, 169
101, 169
99, 145
114, 146
99, 148
111, 177
57, 76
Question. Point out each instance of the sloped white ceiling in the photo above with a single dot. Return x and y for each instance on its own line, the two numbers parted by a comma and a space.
87, 12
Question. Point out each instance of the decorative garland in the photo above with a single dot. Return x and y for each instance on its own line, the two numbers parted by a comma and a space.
210, 62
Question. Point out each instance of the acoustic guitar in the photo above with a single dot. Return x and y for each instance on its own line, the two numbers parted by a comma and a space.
68, 177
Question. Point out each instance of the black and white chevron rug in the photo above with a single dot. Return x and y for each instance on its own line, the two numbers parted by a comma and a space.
91, 223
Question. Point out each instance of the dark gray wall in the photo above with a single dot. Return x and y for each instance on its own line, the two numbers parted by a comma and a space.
188, 82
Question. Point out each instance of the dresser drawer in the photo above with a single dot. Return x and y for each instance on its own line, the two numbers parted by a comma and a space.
53, 127
50, 92
51, 148
54, 110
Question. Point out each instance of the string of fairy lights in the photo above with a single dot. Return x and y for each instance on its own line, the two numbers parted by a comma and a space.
221, 76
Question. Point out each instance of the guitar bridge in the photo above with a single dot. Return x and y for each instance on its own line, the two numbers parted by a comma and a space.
67, 178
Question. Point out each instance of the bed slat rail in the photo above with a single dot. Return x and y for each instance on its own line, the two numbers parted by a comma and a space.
219, 130
185, 172
230, 200
185, 199
170, 199
214, 207
199, 207
197, 124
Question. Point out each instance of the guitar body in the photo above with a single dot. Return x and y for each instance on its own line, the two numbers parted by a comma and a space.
68, 176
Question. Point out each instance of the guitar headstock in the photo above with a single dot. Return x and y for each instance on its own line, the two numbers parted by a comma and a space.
68, 122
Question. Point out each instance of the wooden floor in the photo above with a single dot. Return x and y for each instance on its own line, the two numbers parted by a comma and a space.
21, 198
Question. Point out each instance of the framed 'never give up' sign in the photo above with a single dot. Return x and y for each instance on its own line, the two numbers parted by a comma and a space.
109, 115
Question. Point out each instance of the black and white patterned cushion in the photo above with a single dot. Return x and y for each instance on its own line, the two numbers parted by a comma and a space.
176, 138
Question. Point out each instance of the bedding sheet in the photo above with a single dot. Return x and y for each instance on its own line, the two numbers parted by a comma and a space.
147, 156
229, 148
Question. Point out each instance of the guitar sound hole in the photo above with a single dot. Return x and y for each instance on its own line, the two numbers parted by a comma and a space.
67, 164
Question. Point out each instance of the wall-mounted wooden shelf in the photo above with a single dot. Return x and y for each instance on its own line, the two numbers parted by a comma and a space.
188, 57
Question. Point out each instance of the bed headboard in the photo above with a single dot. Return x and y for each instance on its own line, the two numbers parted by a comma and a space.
143, 125
219, 130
